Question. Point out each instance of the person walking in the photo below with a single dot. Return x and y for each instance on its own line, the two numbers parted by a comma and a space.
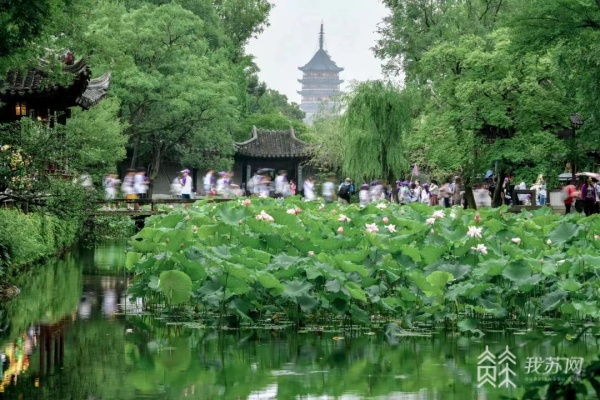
208, 182
309, 189
292, 188
344, 191
445, 193
186, 184
569, 193
140, 183
434, 193
328, 191
588, 195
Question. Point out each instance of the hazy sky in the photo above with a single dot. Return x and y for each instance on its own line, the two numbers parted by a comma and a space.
293, 38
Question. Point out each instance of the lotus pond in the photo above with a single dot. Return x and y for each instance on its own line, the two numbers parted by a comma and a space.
73, 333
250, 261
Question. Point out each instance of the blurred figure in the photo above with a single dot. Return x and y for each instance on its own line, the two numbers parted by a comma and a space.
127, 187
309, 189
140, 183
364, 195
176, 188
344, 191
446, 193
425, 195
569, 193
186, 184
208, 182
434, 193
328, 190
376, 191
265, 186
588, 195
110, 183
293, 188
282, 187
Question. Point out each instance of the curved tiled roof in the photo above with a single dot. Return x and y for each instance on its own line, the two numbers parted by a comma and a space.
321, 61
37, 82
272, 144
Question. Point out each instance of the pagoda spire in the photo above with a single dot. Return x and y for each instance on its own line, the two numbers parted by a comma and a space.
321, 34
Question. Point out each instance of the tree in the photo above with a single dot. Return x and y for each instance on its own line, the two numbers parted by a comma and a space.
378, 116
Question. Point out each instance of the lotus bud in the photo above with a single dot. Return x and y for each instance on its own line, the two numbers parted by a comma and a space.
167, 240
247, 202
548, 242
334, 211
432, 231
187, 217
194, 229
228, 237
477, 217
181, 245
311, 253
340, 230
596, 237
386, 220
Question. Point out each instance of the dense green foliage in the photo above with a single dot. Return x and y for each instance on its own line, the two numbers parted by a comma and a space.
310, 262
104, 228
27, 238
498, 81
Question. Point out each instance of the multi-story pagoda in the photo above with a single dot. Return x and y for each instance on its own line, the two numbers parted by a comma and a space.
320, 82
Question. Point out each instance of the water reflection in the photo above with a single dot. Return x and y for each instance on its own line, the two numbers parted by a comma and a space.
69, 336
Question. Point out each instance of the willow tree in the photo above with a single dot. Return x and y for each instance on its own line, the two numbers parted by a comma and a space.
378, 115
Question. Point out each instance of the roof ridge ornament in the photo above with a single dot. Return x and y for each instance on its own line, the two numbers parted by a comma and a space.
321, 37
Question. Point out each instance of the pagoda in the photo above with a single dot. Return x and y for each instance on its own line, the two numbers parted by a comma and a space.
320, 82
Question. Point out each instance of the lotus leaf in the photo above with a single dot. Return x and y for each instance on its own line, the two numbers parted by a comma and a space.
176, 286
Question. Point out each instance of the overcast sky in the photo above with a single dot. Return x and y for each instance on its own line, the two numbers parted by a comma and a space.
293, 38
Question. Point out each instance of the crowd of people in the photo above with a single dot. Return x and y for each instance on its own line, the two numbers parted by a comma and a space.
266, 182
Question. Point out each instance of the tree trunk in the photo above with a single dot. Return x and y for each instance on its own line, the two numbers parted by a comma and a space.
136, 148
470, 197
497, 200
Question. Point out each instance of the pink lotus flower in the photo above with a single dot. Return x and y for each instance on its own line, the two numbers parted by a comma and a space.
386, 220
343, 218
311, 253
340, 230
430, 221
171, 206
516, 240
381, 206
474, 232
247, 202
438, 214
480, 248
372, 228
291, 211
391, 228
265, 217
322, 206
298, 210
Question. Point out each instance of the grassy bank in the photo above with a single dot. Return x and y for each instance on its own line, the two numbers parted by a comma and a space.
27, 238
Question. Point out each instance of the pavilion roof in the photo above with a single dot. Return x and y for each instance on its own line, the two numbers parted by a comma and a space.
321, 61
36, 82
272, 144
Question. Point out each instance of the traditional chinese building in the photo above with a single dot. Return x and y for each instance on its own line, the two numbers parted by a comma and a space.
320, 82
34, 94
276, 150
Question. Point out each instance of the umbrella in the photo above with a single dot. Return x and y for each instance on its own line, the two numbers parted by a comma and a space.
592, 175
489, 174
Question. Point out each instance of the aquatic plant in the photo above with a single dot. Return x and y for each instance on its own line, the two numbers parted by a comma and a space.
335, 261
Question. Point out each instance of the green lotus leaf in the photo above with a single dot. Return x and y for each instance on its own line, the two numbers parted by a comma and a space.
237, 286
564, 232
411, 252
353, 256
570, 285
593, 261
268, 281
439, 279
274, 242
518, 272
307, 303
349, 267
132, 258
355, 291
176, 286
469, 325
146, 233
458, 290
552, 300
232, 216
236, 270
295, 289
339, 305
207, 231
456, 270
143, 246
154, 282
493, 226
431, 253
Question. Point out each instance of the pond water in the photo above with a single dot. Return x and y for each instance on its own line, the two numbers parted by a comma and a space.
67, 336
